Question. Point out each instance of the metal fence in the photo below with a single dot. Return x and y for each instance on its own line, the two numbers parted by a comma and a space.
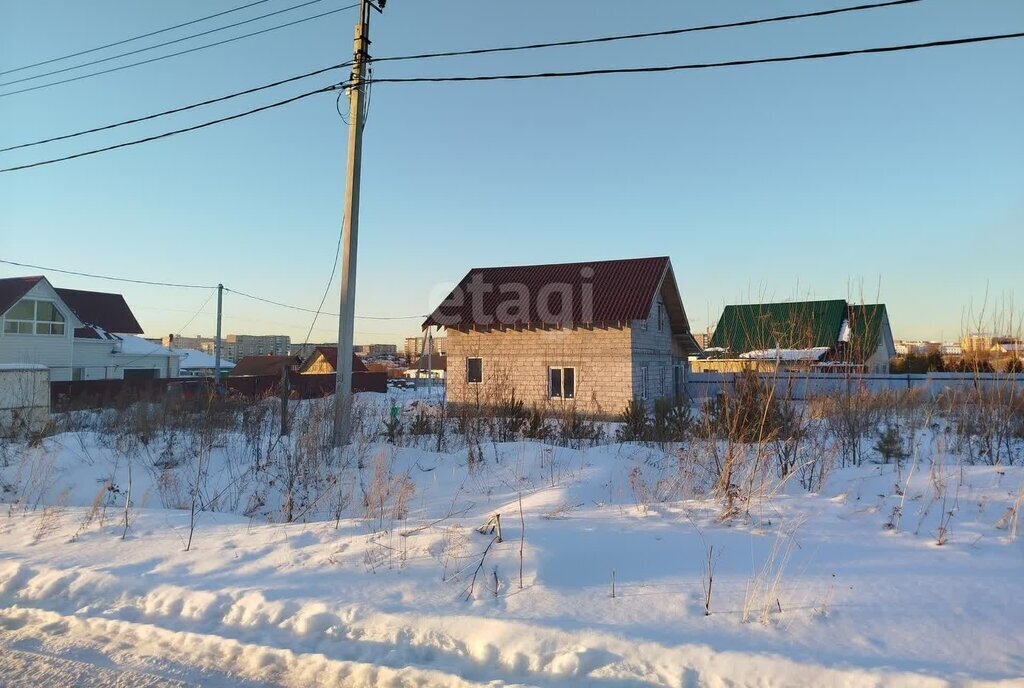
803, 385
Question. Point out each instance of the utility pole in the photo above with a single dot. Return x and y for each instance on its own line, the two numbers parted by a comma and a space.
350, 225
216, 341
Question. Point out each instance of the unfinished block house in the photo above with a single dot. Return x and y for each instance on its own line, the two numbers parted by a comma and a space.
589, 336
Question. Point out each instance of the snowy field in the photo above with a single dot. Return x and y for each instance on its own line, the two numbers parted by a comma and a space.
887, 575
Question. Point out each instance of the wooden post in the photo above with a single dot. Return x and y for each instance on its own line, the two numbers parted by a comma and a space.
285, 391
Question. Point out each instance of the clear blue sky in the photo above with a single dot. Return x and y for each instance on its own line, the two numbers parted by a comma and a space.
899, 177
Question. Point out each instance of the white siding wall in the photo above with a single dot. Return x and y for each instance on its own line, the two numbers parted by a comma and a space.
98, 362
50, 350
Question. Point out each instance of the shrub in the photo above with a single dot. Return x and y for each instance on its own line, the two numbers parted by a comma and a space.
745, 413
672, 420
575, 431
635, 425
890, 445
510, 418
536, 427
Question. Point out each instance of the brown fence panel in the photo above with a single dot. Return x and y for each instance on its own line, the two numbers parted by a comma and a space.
99, 393
104, 393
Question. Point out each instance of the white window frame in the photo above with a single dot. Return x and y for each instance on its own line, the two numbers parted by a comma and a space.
661, 312
643, 382
35, 322
481, 380
575, 382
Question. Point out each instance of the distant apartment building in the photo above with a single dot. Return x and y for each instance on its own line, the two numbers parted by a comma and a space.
917, 347
234, 347
180, 341
376, 349
304, 351
414, 345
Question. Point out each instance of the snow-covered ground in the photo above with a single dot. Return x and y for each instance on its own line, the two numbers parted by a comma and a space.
374, 585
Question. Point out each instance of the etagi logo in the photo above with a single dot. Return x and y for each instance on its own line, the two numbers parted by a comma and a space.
481, 302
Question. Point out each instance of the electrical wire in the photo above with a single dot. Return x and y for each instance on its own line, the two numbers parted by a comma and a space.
155, 137
160, 45
178, 331
540, 75
180, 52
310, 310
648, 34
105, 277
701, 65
207, 286
177, 109
133, 38
464, 52
327, 289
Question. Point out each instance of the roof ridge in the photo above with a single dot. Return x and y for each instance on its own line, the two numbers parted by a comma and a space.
565, 264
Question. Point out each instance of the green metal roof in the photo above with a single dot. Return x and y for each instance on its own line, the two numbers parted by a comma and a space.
794, 325
801, 325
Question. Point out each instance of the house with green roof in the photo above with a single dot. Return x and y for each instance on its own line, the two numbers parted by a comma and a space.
823, 335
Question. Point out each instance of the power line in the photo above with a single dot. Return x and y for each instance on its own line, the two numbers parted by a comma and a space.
105, 277
160, 45
176, 110
310, 310
604, 39
541, 75
180, 330
155, 137
327, 289
702, 65
649, 34
156, 283
169, 55
133, 38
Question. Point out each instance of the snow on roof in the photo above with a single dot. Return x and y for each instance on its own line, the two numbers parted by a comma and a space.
193, 359
137, 346
813, 354
845, 331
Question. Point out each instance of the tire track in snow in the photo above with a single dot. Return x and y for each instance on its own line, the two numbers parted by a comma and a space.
298, 641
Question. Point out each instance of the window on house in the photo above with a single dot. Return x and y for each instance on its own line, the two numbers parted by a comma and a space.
661, 380
34, 317
474, 370
643, 382
661, 314
562, 383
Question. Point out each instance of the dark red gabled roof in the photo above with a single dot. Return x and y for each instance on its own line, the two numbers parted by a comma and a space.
264, 365
618, 290
13, 288
109, 311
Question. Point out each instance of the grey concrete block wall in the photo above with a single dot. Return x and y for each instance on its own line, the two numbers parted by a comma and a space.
651, 343
519, 359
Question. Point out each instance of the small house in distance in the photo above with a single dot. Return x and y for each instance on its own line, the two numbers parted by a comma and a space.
825, 336
264, 365
588, 336
324, 359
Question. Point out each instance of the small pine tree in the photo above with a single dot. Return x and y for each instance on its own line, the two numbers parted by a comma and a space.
890, 445
635, 425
